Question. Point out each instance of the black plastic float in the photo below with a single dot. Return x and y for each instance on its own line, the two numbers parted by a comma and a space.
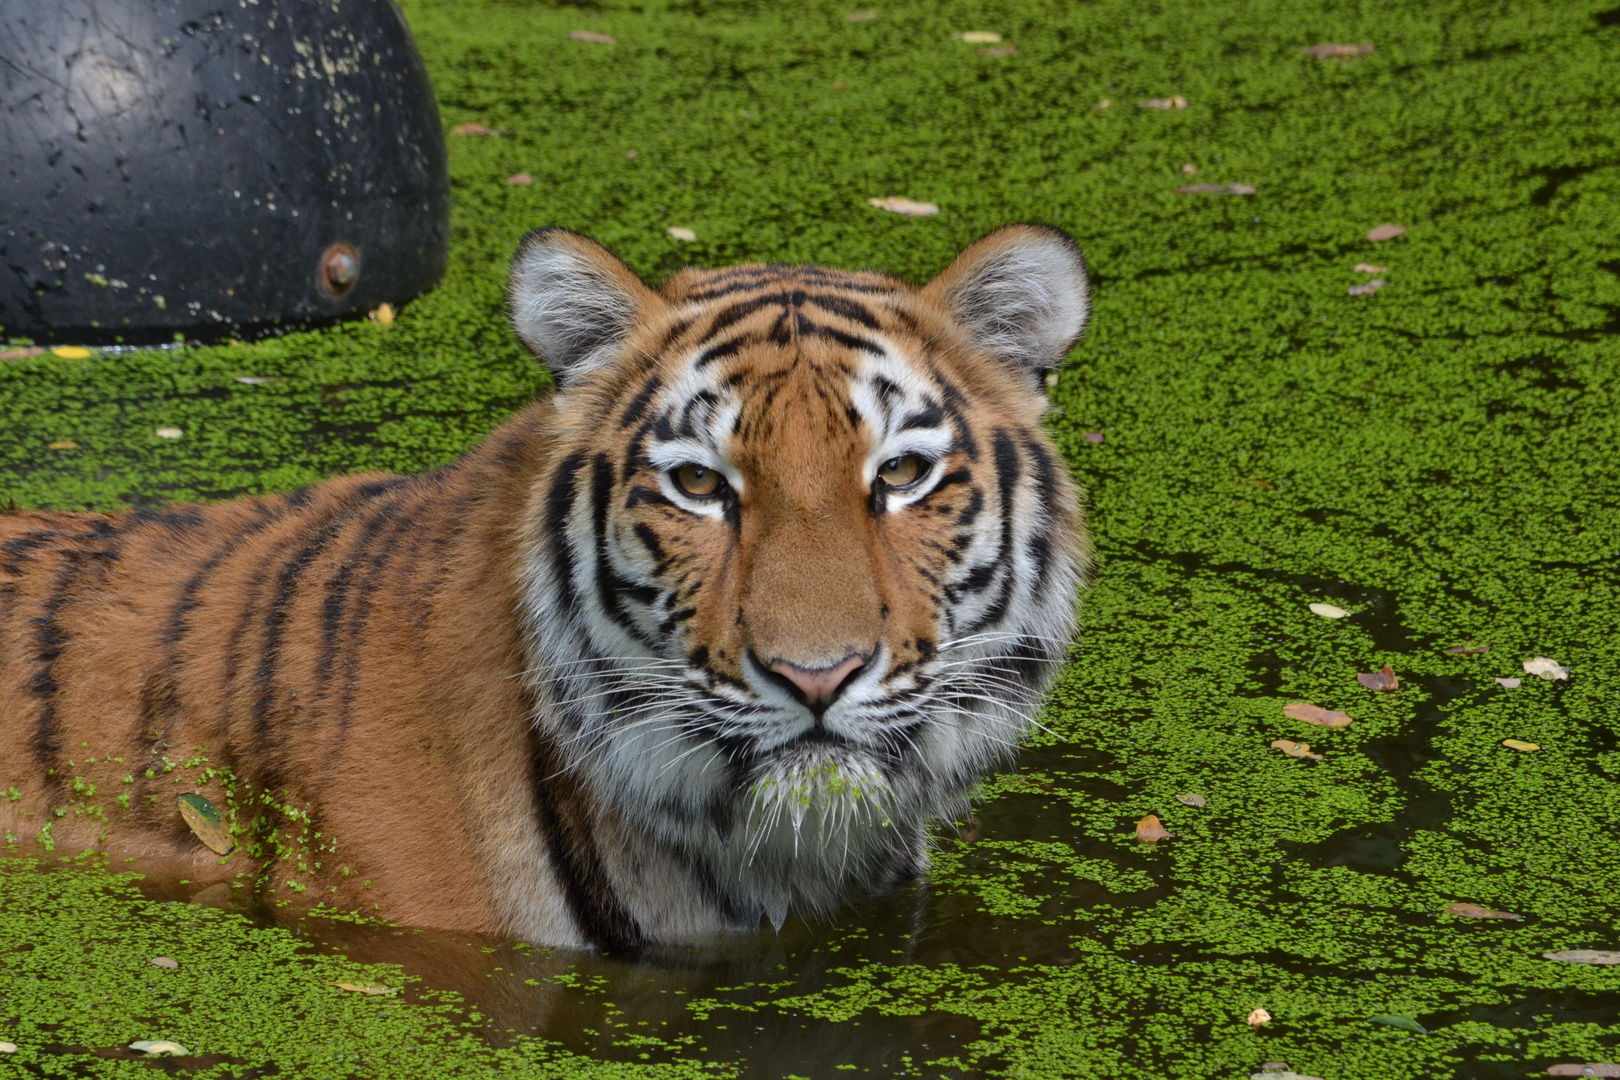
235, 167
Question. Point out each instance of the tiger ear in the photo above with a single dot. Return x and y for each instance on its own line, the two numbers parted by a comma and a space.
573, 302
1021, 292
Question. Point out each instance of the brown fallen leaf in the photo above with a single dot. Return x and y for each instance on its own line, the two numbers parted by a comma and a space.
1257, 1017
22, 353
593, 36
999, 50
1315, 714
1369, 268
1094, 437
1175, 101
1215, 189
475, 129
860, 16
521, 179
1468, 650
1150, 830
62, 444
1584, 956
896, 204
1367, 288
1295, 749
1380, 233
1327, 50
1521, 746
1597, 1068
1474, 911
1188, 798
384, 313
1189, 169
164, 962
631, 155
1105, 103
1383, 680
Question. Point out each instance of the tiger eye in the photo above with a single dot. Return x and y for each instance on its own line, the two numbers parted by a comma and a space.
697, 481
900, 471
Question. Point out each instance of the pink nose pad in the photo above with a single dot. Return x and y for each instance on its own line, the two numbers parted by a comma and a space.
818, 684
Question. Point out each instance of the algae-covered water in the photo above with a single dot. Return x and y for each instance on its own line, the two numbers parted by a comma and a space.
1436, 457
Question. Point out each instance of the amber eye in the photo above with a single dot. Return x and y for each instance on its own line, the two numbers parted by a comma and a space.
697, 481
900, 471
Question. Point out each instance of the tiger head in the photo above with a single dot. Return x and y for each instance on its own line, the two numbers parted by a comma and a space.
802, 562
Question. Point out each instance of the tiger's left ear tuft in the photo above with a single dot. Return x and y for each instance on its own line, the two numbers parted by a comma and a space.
574, 303
1021, 292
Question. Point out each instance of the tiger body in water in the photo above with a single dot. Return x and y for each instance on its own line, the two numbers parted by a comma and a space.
710, 634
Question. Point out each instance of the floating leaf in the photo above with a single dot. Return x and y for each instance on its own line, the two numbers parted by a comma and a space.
204, 819
1327, 50
1367, 288
999, 50
384, 314
1257, 1017
164, 962
593, 37
1547, 669
256, 380
62, 444
1369, 268
1382, 680
1405, 1023
1509, 684
159, 1047
21, 354
680, 232
1175, 101
1094, 437
1315, 714
1189, 169
1600, 1068
475, 129
977, 37
1329, 611
169, 433
521, 179
372, 989
8, 1047
1584, 956
860, 16
1188, 798
1150, 830
1468, 650
1215, 189
71, 352
1281, 1074
1520, 745
1295, 749
1385, 232
1474, 911
895, 204
1105, 103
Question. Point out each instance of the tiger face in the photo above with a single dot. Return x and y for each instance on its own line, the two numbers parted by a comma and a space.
803, 563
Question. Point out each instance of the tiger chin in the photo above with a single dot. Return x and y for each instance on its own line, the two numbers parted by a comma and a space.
709, 635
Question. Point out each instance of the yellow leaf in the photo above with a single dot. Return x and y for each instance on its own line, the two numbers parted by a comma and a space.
373, 989
1150, 830
1258, 1017
896, 204
978, 37
71, 352
384, 314
205, 822
62, 444
1521, 745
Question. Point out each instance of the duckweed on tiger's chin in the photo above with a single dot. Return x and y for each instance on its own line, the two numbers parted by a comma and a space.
1434, 457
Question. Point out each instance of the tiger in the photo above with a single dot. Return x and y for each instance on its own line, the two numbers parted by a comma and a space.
719, 628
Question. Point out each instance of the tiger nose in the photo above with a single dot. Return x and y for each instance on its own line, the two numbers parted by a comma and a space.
819, 685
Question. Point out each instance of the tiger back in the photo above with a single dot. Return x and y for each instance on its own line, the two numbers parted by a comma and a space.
710, 634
